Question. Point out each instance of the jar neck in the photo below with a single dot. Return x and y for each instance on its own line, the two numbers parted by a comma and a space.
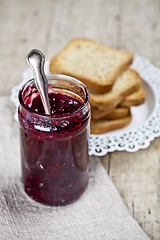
51, 123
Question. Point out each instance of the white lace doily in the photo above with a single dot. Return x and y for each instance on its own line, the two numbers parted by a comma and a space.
145, 125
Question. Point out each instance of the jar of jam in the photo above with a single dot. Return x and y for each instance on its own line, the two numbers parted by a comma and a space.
54, 148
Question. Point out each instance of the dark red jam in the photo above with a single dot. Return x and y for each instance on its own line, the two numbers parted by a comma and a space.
60, 104
54, 149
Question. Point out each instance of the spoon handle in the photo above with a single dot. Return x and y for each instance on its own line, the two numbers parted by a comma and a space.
36, 59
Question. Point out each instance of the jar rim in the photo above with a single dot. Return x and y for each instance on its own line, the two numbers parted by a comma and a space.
55, 77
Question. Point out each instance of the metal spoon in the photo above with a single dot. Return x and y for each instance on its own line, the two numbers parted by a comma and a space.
36, 59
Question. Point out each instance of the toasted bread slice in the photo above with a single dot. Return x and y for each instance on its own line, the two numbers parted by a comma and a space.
94, 64
128, 82
136, 98
102, 126
117, 113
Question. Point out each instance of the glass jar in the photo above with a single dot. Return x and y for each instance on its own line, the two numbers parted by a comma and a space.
54, 148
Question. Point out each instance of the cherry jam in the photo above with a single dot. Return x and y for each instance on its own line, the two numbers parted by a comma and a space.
60, 104
54, 148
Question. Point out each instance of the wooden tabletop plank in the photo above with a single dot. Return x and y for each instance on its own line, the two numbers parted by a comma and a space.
141, 28
136, 177
22, 28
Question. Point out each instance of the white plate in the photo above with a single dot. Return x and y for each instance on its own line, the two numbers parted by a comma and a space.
145, 124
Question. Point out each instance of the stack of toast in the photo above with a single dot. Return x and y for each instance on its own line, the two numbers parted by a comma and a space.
113, 86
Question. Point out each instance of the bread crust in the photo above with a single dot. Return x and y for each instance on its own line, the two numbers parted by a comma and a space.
117, 113
102, 126
136, 98
126, 84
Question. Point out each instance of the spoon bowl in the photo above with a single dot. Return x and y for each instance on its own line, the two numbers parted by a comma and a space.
36, 59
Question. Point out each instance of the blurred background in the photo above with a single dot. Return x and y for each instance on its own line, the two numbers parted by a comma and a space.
49, 24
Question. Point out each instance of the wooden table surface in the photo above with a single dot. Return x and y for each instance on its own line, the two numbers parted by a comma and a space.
133, 25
